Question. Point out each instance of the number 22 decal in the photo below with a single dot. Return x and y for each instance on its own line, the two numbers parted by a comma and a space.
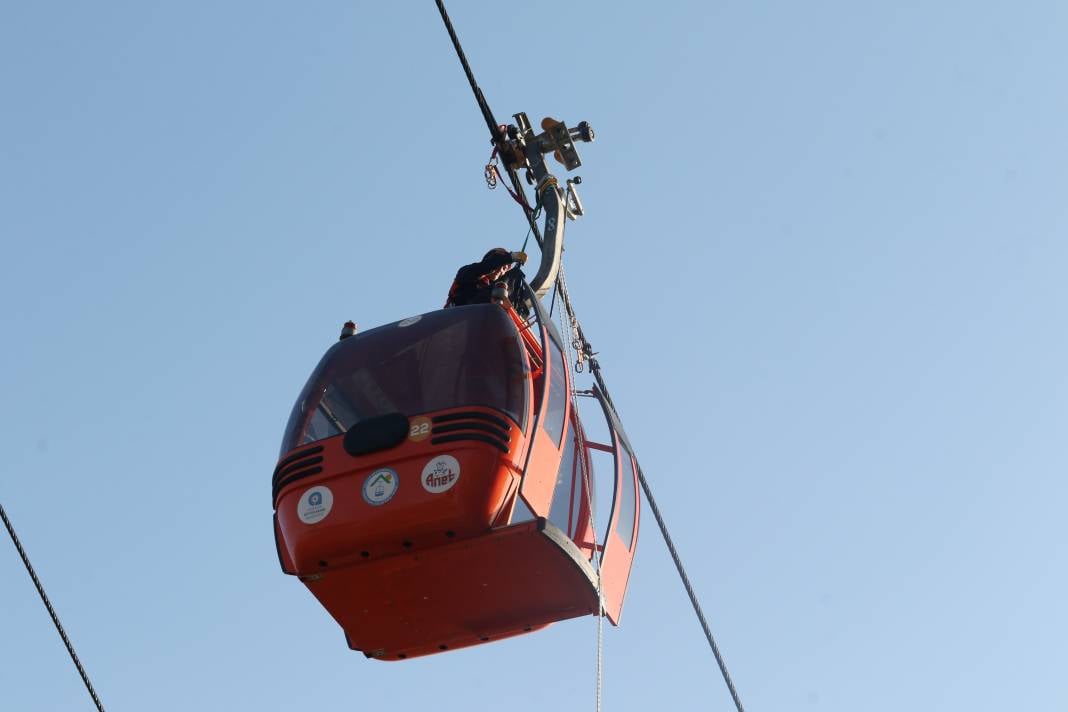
419, 429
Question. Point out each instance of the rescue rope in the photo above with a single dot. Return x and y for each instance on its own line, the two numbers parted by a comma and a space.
586, 353
536, 215
525, 241
51, 611
580, 446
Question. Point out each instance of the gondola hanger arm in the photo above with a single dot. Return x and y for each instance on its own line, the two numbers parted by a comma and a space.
522, 149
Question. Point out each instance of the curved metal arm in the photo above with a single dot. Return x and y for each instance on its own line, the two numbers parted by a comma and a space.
560, 141
552, 243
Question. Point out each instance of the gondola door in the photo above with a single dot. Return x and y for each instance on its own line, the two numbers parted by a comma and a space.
621, 534
552, 421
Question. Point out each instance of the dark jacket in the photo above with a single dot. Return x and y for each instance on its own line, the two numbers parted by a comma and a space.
472, 283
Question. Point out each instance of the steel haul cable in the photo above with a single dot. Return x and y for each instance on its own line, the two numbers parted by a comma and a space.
587, 353
51, 611
487, 114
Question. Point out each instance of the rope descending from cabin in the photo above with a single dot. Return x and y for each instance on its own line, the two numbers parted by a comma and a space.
587, 481
586, 353
600, 587
51, 611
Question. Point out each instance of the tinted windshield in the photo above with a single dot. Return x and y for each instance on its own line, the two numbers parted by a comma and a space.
462, 356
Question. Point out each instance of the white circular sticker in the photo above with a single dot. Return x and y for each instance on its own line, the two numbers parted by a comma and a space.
440, 474
315, 504
409, 321
380, 486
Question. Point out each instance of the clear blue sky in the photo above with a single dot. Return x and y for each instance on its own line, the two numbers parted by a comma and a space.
823, 262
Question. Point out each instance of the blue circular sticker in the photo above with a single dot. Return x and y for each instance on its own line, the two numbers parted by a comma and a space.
315, 504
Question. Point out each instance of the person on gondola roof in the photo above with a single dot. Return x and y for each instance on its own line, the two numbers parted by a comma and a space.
474, 283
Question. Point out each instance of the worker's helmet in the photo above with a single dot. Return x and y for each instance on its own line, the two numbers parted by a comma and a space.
496, 251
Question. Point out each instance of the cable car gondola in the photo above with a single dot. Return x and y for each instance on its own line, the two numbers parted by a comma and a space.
435, 484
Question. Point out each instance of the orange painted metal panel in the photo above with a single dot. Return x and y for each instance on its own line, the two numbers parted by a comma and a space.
618, 556
354, 515
509, 581
615, 573
543, 462
540, 477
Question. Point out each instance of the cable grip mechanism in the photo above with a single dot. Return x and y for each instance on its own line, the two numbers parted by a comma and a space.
556, 138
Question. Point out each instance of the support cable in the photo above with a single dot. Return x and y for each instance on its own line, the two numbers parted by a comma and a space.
51, 611
483, 105
689, 589
494, 127
587, 353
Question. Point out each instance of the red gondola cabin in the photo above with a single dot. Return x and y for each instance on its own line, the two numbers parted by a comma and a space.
431, 489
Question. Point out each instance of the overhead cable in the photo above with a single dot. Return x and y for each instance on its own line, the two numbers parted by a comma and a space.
586, 353
51, 611
491, 123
